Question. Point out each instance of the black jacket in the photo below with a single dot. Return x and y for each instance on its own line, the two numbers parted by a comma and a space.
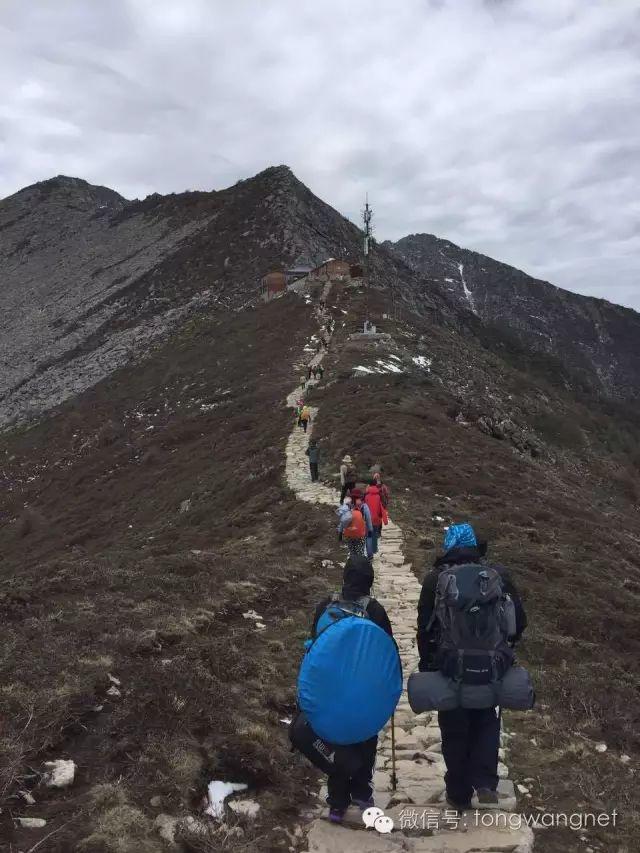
313, 452
428, 640
358, 577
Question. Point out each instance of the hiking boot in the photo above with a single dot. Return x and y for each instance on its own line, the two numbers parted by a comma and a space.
459, 807
487, 799
363, 805
336, 815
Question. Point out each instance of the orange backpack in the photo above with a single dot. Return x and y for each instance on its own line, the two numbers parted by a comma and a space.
356, 528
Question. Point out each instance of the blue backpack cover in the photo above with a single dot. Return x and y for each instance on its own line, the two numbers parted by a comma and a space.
350, 681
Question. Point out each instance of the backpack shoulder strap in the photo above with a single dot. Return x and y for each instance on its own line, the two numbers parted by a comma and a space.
438, 596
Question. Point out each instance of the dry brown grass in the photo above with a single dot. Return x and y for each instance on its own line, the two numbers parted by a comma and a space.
121, 582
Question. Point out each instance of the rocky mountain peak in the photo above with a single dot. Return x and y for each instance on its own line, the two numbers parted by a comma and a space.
590, 336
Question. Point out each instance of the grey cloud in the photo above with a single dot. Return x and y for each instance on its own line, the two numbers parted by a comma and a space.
509, 127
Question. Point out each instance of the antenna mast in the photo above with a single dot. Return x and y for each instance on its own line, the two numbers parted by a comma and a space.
367, 213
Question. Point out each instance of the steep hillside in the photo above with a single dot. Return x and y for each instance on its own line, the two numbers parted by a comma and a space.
146, 526
586, 334
551, 482
139, 524
90, 282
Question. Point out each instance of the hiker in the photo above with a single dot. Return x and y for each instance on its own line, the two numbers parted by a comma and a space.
357, 790
359, 504
385, 495
299, 406
309, 371
303, 382
347, 476
373, 499
352, 527
470, 737
313, 452
315, 373
305, 417
320, 371
344, 515
375, 469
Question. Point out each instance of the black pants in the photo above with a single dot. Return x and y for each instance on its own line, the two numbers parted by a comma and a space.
313, 467
342, 789
470, 742
305, 424
343, 491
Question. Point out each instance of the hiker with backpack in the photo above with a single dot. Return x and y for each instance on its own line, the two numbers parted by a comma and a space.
354, 599
373, 500
313, 452
360, 506
469, 618
320, 371
347, 476
305, 418
352, 527
385, 495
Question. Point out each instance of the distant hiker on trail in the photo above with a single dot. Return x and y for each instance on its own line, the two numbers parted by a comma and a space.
373, 499
320, 370
299, 407
447, 641
356, 587
359, 504
352, 527
309, 371
305, 417
347, 476
313, 452
303, 382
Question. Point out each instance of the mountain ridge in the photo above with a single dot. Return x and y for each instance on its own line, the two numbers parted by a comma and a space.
91, 281
585, 332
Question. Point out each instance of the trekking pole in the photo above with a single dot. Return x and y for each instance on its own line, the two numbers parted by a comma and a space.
394, 778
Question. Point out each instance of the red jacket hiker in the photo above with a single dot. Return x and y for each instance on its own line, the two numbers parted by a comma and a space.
373, 499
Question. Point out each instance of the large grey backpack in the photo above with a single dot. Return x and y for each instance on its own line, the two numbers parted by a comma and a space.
476, 619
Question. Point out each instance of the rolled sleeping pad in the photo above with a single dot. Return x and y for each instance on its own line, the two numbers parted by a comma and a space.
344, 760
516, 691
432, 691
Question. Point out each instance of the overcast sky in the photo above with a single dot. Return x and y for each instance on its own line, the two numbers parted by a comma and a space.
508, 126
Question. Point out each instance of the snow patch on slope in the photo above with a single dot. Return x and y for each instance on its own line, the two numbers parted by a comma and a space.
467, 292
423, 361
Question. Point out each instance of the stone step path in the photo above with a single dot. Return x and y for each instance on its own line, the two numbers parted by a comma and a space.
422, 821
